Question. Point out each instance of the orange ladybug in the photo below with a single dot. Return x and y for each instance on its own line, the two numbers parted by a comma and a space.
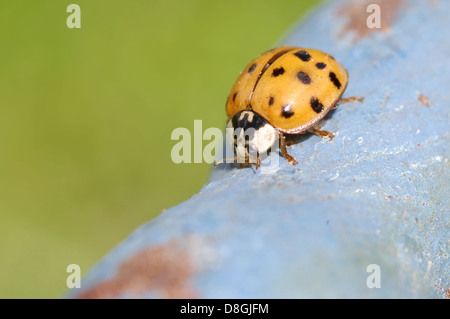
287, 90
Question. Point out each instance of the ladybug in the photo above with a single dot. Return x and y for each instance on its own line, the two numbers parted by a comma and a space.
287, 90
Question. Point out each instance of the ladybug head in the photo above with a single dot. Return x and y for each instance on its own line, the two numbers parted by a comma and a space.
250, 135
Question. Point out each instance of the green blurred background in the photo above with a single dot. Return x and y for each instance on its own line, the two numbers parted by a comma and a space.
86, 117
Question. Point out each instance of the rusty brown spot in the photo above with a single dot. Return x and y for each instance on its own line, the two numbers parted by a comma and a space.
164, 270
356, 15
424, 100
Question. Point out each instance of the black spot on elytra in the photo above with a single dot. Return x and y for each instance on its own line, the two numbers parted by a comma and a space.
269, 63
252, 68
303, 77
320, 65
271, 100
316, 105
286, 111
278, 71
303, 55
335, 80
234, 96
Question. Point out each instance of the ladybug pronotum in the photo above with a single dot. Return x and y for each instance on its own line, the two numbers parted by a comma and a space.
287, 90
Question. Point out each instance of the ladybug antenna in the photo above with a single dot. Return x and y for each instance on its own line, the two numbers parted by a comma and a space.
224, 160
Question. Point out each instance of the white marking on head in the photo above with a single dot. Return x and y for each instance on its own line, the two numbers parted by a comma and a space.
264, 138
249, 114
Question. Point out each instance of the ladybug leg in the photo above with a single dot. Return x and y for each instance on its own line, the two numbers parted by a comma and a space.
284, 152
321, 133
343, 100
258, 161
225, 161
351, 99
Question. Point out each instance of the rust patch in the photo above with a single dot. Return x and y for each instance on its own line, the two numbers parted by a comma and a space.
356, 16
165, 270
424, 100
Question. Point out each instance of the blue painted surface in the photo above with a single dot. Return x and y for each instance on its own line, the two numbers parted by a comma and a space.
377, 194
